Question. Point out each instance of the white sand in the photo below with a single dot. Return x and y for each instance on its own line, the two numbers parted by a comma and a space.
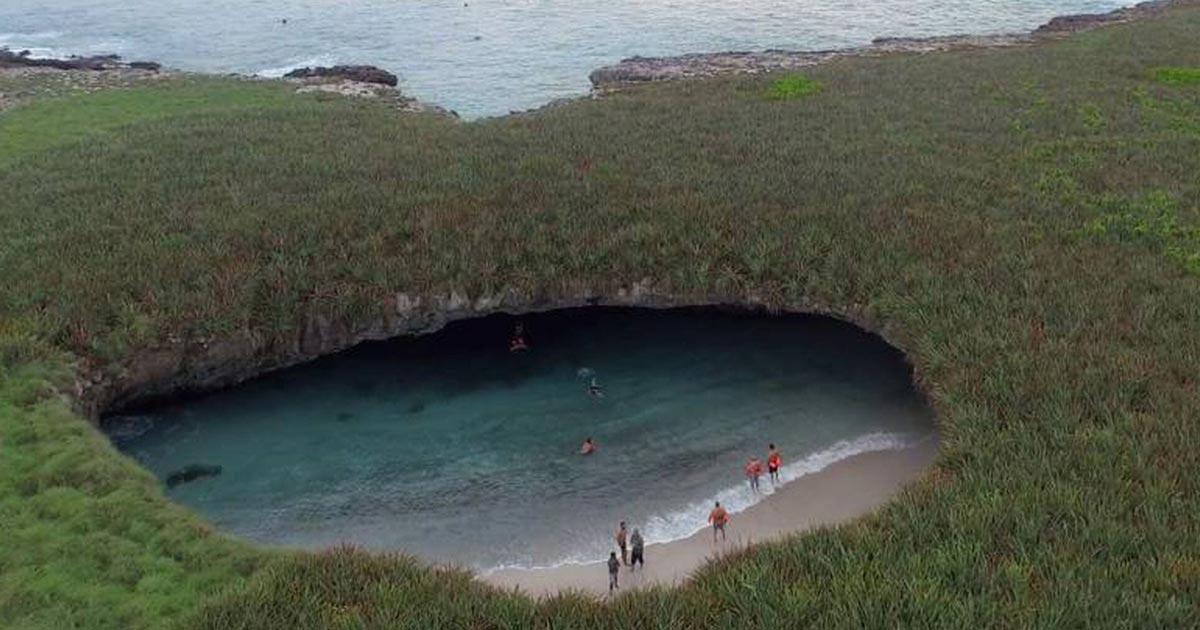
845, 490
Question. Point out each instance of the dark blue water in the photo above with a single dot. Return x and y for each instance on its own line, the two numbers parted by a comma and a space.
486, 57
451, 447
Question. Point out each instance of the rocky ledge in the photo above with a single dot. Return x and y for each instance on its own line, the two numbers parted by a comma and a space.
697, 65
94, 63
357, 74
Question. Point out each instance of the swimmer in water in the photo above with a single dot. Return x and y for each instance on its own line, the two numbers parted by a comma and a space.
588, 447
517, 342
774, 462
594, 390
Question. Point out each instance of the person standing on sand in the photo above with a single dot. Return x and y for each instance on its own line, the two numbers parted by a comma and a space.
718, 517
774, 463
753, 472
639, 548
622, 543
614, 566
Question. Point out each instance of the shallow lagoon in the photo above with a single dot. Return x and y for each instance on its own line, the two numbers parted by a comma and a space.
487, 57
451, 447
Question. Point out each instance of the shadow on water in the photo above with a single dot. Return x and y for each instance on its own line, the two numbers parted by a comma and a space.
453, 447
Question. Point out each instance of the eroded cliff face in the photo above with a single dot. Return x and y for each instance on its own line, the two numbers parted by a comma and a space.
197, 365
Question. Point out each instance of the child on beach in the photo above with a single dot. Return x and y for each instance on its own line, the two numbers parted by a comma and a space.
614, 566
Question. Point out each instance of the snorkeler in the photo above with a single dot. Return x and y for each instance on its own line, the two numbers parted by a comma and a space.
594, 390
517, 342
774, 462
753, 472
588, 447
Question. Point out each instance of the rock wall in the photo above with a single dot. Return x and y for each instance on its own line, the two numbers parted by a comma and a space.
190, 366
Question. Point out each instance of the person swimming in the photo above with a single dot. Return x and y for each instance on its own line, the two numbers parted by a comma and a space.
594, 390
517, 342
588, 447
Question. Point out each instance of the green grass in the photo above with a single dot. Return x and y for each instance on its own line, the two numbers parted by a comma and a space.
1021, 222
73, 118
1177, 76
792, 86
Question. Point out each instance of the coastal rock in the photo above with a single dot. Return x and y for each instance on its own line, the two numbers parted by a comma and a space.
358, 74
95, 63
697, 65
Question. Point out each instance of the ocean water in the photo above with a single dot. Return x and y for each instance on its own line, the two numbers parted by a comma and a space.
451, 447
487, 57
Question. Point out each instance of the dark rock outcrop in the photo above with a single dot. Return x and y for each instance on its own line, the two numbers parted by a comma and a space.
1085, 21
361, 74
192, 473
10, 59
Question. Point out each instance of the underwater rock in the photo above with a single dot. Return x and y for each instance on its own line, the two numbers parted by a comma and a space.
191, 473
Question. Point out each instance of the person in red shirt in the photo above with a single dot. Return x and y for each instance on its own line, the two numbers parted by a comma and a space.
718, 517
774, 462
753, 472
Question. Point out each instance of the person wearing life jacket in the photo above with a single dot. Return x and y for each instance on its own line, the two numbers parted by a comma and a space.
517, 342
588, 447
774, 462
753, 472
718, 517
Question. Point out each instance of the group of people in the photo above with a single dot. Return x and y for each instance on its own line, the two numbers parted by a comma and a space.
754, 468
633, 553
632, 546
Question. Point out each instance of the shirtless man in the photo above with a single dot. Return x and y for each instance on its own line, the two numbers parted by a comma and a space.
588, 447
718, 517
774, 462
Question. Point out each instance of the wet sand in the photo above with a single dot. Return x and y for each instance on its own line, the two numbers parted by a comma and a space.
845, 490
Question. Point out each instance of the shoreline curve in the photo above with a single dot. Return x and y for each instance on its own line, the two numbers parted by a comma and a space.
839, 493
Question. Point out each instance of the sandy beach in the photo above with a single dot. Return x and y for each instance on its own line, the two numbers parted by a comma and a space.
839, 493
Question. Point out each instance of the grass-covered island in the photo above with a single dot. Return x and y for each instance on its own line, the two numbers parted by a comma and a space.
1024, 223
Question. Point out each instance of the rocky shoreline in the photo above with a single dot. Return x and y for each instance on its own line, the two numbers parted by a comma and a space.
638, 69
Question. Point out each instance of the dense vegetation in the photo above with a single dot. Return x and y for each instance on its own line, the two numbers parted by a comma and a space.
1025, 223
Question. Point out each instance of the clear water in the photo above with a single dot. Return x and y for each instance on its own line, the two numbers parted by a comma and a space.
487, 57
451, 447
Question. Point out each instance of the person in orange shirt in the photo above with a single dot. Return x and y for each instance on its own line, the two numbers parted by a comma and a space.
774, 462
718, 517
753, 472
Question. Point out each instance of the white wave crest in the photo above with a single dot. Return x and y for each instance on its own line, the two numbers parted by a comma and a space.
275, 73
683, 523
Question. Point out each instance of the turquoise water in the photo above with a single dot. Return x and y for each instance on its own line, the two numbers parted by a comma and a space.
451, 447
486, 57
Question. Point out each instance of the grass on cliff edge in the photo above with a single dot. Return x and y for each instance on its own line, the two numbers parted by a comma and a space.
1020, 221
